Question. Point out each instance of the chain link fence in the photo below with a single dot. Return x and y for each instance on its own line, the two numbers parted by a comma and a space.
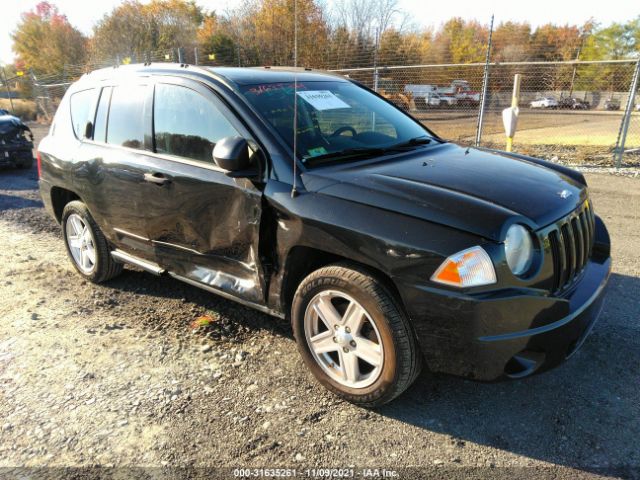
584, 112
574, 111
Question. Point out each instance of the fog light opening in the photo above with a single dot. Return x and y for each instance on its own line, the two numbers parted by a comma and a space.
523, 364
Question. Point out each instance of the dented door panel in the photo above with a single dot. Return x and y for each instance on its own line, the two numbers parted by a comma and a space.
204, 226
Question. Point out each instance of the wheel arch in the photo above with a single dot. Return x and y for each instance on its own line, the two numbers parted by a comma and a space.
60, 197
303, 260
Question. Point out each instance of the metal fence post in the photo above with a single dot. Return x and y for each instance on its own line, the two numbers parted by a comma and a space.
626, 119
43, 99
376, 79
485, 81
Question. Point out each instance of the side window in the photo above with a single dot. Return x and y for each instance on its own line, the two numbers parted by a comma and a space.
83, 106
126, 116
186, 124
100, 128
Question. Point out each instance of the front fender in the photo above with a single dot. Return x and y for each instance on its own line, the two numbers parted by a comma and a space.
406, 249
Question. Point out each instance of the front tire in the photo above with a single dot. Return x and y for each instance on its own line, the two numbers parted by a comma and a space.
87, 246
354, 336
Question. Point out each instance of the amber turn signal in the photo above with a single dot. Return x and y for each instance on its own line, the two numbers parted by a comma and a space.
469, 268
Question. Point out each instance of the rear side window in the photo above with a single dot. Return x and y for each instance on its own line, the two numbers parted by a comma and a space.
100, 128
126, 116
186, 124
83, 106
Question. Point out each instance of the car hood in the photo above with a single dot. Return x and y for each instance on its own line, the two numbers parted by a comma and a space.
474, 190
11, 127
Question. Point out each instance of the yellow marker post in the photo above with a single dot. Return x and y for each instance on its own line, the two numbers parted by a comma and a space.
510, 115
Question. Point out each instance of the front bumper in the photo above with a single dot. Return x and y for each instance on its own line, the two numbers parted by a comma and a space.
13, 155
511, 334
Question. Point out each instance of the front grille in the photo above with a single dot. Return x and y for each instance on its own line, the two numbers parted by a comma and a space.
571, 242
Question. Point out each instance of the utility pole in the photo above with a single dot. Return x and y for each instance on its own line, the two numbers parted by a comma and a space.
624, 126
485, 81
575, 66
376, 74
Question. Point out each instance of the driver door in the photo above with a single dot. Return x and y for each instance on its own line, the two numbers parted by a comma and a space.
203, 224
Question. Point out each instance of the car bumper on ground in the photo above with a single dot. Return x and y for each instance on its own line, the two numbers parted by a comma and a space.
509, 334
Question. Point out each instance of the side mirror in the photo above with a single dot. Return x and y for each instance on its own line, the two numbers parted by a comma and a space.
232, 154
88, 130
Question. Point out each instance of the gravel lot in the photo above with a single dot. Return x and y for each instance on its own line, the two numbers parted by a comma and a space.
115, 375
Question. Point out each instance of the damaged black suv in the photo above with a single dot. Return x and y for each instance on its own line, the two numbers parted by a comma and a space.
309, 197
16, 142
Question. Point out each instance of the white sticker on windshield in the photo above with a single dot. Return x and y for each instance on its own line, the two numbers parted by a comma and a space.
322, 99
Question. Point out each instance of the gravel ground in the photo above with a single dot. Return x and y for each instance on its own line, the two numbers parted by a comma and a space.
116, 375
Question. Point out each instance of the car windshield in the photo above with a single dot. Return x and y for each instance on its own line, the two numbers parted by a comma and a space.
337, 120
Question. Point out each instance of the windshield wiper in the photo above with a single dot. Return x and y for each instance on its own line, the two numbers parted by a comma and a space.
412, 142
355, 152
344, 154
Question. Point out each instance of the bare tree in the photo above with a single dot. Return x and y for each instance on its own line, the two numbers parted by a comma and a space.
366, 19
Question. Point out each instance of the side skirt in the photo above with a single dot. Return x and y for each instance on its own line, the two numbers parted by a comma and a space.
156, 269
228, 296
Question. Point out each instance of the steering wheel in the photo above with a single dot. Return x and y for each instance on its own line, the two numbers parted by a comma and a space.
345, 128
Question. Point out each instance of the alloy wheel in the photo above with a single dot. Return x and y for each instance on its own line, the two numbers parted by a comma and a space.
81, 243
343, 339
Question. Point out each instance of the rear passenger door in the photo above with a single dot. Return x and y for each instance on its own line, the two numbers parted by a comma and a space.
114, 163
203, 224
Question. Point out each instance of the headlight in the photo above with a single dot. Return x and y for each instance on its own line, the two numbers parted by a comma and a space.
469, 268
518, 248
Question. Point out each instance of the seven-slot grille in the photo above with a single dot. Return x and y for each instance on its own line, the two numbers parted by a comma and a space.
571, 242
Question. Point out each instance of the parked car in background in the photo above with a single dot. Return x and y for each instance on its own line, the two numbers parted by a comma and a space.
457, 93
573, 103
544, 102
16, 142
612, 104
488, 265
438, 100
463, 92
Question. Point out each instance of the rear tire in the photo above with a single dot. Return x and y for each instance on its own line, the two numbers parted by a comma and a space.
87, 246
370, 364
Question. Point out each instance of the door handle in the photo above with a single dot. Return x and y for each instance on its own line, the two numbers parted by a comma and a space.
157, 178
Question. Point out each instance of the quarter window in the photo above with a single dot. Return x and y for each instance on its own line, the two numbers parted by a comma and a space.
126, 116
83, 106
100, 128
186, 124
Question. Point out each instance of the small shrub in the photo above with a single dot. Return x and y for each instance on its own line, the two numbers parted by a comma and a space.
25, 109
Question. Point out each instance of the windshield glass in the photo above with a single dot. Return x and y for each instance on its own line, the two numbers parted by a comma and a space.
334, 118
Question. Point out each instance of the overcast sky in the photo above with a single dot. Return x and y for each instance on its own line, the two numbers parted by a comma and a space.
83, 14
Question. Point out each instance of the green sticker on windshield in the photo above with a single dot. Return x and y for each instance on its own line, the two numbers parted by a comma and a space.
314, 152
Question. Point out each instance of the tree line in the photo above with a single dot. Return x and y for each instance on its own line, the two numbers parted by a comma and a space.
351, 33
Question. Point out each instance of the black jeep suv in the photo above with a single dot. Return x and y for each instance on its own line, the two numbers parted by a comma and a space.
308, 196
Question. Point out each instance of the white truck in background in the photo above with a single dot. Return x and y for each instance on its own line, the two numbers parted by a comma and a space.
458, 92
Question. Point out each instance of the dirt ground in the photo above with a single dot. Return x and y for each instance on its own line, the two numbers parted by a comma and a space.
114, 375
